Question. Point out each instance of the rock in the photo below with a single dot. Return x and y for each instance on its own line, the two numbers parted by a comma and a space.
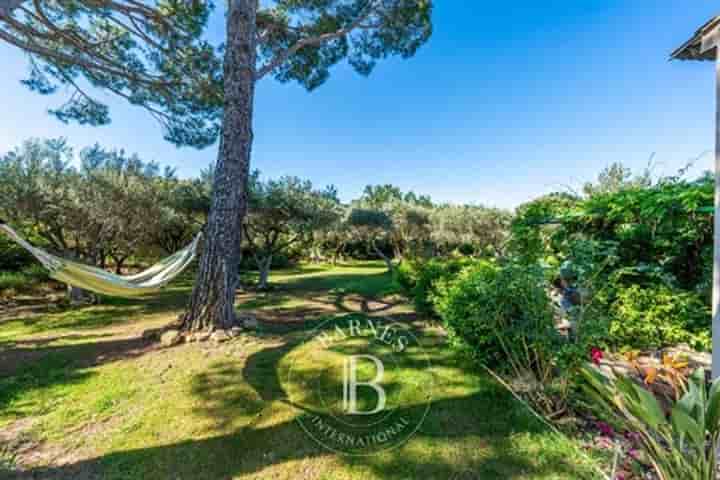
219, 336
201, 336
235, 332
152, 334
170, 338
249, 321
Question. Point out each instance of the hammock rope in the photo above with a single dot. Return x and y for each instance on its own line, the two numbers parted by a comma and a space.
105, 283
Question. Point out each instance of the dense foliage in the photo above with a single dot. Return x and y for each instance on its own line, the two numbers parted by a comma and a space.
493, 308
642, 250
115, 210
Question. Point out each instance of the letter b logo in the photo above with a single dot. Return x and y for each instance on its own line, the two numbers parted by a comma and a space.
351, 383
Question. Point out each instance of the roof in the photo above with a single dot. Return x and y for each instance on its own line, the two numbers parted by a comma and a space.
691, 50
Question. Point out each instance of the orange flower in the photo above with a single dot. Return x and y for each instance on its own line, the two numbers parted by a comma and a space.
650, 375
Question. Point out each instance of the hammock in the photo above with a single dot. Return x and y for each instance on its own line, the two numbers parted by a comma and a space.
106, 283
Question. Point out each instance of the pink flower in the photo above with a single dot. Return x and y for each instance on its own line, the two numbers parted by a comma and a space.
605, 429
596, 355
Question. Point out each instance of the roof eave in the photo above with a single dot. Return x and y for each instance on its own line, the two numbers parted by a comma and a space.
690, 50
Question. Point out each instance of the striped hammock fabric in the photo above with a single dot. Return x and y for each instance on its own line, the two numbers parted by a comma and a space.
105, 283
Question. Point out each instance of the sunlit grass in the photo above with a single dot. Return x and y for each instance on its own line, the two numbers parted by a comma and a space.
196, 411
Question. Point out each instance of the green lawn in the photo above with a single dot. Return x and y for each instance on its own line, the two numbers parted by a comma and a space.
83, 396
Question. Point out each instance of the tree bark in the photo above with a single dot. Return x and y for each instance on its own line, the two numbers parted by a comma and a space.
386, 259
77, 295
212, 303
264, 269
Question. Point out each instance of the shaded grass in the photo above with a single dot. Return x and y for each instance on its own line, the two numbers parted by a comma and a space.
229, 412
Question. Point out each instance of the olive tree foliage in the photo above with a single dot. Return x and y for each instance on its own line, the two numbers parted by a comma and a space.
471, 229
372, 226
121, 203
616, 177
154, 55
184, 209
330, 240
407, 225
112, 207
38, 191
285, 213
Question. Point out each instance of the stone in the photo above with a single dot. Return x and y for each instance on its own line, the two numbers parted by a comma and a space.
152, 334
170, 338
201, 336
219, 336
249, 321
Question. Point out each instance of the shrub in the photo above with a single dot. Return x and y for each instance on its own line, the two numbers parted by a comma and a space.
499, 314
23, 279
418, 279
657, 316
12, 256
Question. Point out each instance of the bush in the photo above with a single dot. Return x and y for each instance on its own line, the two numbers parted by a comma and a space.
23, 279
499, 314
418, 279
13, 257
657, 316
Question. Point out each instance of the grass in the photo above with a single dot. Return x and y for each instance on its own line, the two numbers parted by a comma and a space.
82, 396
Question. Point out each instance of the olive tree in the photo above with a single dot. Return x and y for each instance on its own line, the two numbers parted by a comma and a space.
184, 208
284, 213
154, 55
121, 204
371, 226
476, 229
37, 191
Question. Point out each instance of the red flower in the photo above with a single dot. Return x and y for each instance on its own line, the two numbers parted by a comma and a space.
596, 355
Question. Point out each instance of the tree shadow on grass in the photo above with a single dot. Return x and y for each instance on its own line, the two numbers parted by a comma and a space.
24, 369
465, 436
255, 450
373, 285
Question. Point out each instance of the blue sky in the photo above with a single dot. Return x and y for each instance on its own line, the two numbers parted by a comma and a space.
509, 100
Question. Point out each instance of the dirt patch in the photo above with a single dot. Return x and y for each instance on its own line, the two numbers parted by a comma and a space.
35, 459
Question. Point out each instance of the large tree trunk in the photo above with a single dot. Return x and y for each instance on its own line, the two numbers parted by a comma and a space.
213, 298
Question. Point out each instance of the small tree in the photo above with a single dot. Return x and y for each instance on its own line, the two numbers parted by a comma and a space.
37, 191
474, 229
284, 213
372, 226
185, 207
408, 213
121, 204
331, 239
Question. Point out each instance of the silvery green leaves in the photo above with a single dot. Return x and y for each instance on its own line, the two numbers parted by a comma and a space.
151, 54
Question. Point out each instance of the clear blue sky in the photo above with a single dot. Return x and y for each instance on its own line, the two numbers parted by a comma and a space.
508, 101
